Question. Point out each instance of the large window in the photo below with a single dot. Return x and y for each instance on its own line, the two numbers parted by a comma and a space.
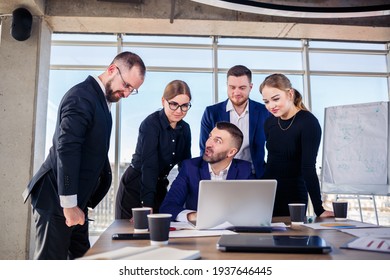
326, 73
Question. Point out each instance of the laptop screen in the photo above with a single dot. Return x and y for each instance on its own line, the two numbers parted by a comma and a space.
238, 202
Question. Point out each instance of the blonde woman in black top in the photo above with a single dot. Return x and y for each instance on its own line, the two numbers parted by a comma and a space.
293, 136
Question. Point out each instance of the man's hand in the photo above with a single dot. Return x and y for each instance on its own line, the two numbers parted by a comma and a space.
74, 216
191, 217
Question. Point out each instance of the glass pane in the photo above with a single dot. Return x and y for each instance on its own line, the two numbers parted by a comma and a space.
136, 108
82, 55
347, 62
260, 42
346, 45
173, 57
260, 59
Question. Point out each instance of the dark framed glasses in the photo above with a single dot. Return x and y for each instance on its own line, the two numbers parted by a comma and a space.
126, 85
183, 107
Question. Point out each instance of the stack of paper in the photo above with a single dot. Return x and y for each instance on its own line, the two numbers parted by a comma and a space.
369, 243
146, 253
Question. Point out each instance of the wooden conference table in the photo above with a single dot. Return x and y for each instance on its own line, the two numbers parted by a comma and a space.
208, 251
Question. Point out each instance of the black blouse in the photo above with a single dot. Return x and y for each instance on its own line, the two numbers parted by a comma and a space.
159, 149
292, 155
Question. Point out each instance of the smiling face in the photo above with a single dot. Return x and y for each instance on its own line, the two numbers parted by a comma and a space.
238, 89
279, 102
179, 101
122, 82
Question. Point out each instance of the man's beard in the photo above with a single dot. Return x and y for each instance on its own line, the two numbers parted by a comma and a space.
240, 102
214, 158
110, 94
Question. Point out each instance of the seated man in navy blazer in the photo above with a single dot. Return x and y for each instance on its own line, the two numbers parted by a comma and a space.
217, 163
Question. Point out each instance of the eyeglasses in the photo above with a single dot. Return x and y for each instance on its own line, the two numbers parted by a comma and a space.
127, 86
183, 107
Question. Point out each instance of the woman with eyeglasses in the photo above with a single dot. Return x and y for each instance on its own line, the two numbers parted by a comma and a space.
164, 140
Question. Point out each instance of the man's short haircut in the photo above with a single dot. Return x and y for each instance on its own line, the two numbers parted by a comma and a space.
234, 131
129, 59
240, 70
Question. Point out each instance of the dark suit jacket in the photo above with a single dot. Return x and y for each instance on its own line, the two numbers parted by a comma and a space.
257, 116
78, 160
184, 190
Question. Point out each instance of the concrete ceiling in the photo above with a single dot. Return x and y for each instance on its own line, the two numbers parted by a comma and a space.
186, 17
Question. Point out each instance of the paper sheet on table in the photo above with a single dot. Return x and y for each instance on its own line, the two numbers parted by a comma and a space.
340, 225
368, 243
199, 233
188, 225
186, 229
145, 253
381, 232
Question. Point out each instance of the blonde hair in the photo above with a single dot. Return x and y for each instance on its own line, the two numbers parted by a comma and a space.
281, 82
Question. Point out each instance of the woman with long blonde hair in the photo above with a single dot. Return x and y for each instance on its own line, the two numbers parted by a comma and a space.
293, 136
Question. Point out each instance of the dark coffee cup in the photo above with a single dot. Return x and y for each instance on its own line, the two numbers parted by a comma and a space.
159, 228
140, 218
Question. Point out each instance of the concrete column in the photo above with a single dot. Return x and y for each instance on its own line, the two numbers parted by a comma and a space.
24, 72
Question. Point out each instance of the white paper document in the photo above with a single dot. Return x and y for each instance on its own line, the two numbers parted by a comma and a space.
186, 229
380, 232
369, 243
340, 225
146, 253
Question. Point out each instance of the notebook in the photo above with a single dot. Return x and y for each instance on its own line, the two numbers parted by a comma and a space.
273, 244
238, 202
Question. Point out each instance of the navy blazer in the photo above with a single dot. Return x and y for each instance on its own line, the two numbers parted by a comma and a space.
257, 116
184, 190
78, 160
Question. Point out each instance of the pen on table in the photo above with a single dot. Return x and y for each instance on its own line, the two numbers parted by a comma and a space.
172, 229
89, 220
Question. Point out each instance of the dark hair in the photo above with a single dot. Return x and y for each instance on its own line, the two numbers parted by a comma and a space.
129, 59
281, 82
175, 88
234, 131
240, 70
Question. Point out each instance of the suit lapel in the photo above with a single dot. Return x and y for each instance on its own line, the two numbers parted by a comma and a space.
223, 115
253, 117
102, 100
204, 171
232, 173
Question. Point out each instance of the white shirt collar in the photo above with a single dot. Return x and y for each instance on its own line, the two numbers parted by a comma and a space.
222, 174
229, 107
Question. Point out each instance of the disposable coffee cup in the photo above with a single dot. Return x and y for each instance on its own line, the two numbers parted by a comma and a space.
159, 228
140, 218
340, 209
297, 213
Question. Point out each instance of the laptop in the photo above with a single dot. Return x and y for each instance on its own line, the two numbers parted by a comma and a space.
247, 203
273, 244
